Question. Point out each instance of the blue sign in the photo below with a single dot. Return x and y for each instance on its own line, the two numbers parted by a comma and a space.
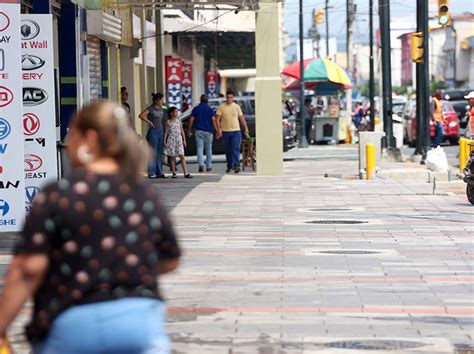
4, 207
4, 128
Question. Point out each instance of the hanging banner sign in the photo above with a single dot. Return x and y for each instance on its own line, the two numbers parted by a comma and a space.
174, 78
212, 83
39, 114
12, 203
187, 88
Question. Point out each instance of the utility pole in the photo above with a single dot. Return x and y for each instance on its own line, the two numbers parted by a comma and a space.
302, 142
371, 66
350, 67
326, 10
384, 12
422, 82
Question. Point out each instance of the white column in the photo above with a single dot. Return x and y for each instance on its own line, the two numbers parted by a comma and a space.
268, 90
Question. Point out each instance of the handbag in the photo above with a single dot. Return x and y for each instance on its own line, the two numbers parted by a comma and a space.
5, 348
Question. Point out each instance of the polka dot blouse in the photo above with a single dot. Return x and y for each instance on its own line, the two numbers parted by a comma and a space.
104, 239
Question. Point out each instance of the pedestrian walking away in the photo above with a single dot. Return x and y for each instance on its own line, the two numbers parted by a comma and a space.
92, 249
203, 118
437, 114
175, 142
155, 115
229, 118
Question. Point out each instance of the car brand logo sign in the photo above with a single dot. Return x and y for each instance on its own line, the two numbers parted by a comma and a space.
29, 29
32, 162
33, 96
4, 207
31, 123
4, 128
31, 193
31, 62
4, 21
2, 60
6, 96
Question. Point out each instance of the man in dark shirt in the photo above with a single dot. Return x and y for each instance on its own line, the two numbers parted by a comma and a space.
204, 118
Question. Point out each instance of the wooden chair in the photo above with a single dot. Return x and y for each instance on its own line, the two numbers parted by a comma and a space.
248, 154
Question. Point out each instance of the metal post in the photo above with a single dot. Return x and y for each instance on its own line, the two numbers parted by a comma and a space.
384, 11
426, 81
419, 84
302, 142
326, 9
371, 66
350, 59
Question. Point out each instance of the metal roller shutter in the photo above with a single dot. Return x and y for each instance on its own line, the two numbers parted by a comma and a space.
95, 67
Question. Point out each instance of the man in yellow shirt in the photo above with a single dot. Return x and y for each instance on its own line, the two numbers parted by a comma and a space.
229, 117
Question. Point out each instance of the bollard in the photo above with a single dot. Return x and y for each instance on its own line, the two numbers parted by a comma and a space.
370, 160
462, 154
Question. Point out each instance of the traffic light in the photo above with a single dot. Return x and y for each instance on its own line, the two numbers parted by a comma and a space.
417, 51
444, 17
319, 17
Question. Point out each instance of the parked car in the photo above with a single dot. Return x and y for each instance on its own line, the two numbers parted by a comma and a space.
450, 125
247, 103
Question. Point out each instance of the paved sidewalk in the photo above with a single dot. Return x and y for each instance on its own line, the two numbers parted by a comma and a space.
304, 263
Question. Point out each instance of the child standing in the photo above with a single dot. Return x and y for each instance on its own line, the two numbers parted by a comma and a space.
175, 142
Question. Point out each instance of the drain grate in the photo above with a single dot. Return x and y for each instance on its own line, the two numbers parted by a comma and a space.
375, 344
349, 252
336, 222
331, 209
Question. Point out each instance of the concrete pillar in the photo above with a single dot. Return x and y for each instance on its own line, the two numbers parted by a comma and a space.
143, 71
268, 90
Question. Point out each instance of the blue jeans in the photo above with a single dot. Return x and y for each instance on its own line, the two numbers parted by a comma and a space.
204, 140
232, 141
155, 140
439, 133
130, 325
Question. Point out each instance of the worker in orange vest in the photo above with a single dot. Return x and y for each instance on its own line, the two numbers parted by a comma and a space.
470, 100
438, 121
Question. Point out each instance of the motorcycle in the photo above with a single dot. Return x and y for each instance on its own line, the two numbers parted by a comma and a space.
469, 177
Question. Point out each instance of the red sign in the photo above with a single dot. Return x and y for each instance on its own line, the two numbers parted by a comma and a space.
174, 78
31, 124
32, 162
211, 82
187, 88
4, 21
6, 96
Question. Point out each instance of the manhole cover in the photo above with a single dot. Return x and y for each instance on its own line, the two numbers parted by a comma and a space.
331, 209
375, 345
357, 252
338, 222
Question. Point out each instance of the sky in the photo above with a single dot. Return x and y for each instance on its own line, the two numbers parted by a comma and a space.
337, 15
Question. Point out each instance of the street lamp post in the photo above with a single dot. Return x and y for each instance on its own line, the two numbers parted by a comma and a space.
302, 143
371, 65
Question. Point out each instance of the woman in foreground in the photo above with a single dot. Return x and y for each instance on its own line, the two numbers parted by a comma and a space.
93, 247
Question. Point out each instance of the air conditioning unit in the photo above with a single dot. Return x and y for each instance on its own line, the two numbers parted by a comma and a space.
105, 26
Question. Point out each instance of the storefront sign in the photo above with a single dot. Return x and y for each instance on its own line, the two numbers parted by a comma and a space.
12, 202
187, 84
174, 78
212, 83
39, 114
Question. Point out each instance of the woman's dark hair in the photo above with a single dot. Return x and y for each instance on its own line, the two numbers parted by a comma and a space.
157, 96
171, 110
123, 89
230, 92
204, 99
115, 137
